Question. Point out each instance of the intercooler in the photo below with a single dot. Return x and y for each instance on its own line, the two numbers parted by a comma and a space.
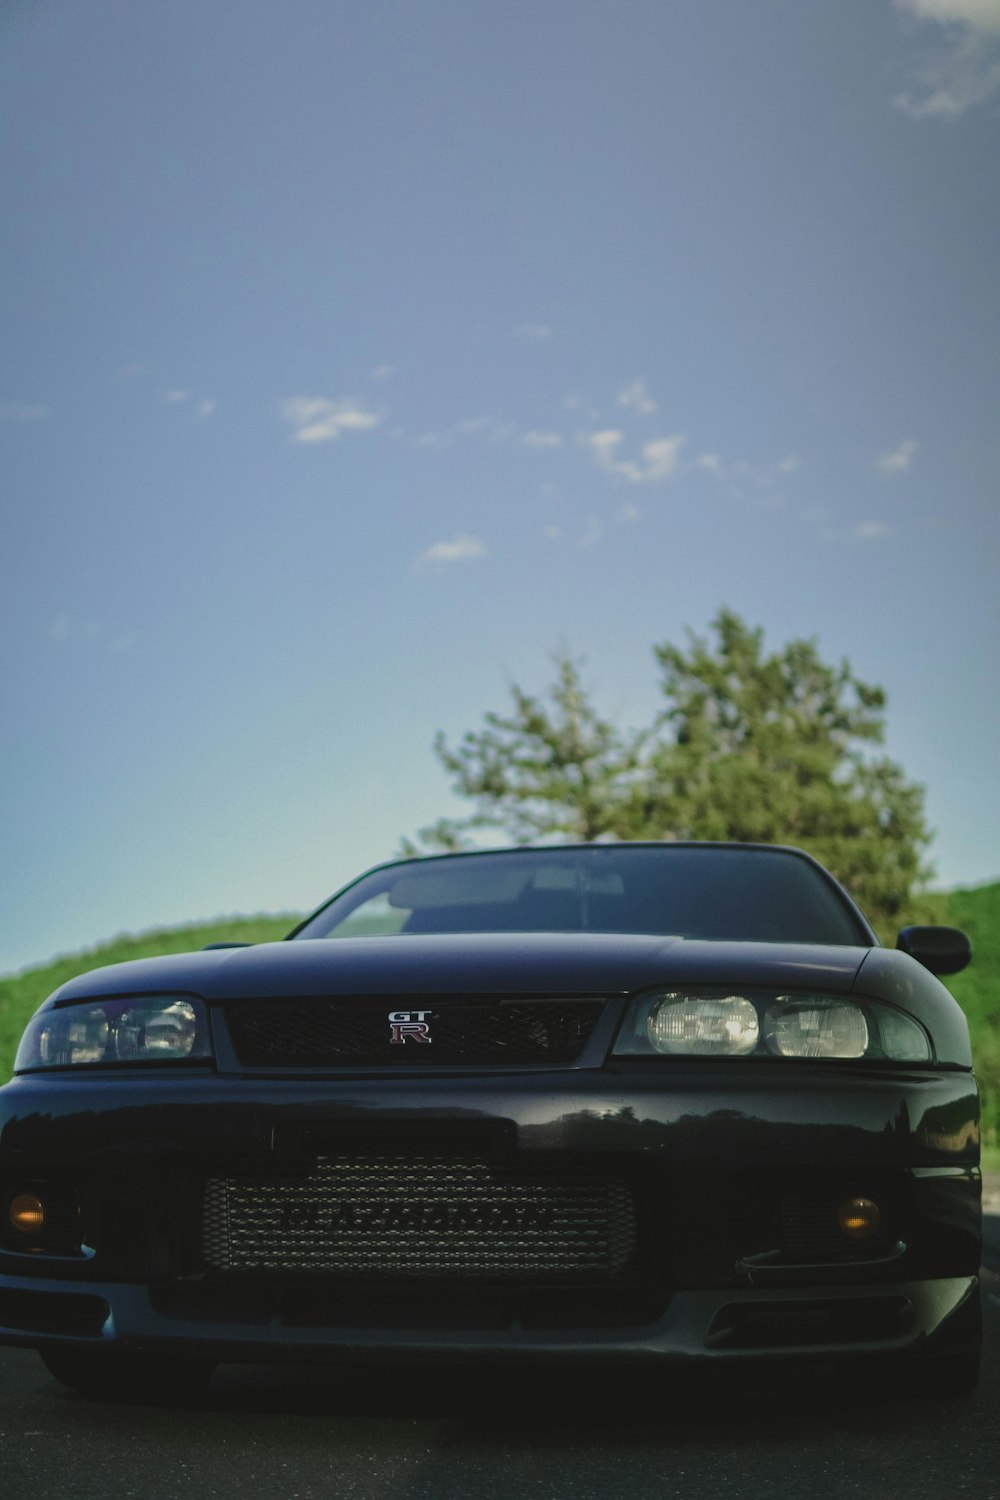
391, 1216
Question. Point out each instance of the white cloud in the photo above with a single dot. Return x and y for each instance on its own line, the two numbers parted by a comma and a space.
898, 460
382, 372
636, 398
953, 82
541, 439
180, 397
459, 549
740, 475
603, 445
491, 429
869, 531
979, 13
533, 331
486, 429
581, 404
962, 69
629, 512
592, 535
553, 533
658, 459
316, 419
64, 630
21, 412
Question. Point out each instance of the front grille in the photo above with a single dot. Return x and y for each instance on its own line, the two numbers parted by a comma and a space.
398, 1217
474, 1031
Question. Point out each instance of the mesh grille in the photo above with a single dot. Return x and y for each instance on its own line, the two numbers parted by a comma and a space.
302, 1033
399, 1217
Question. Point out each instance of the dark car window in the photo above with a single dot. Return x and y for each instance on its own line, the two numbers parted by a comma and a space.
719, 893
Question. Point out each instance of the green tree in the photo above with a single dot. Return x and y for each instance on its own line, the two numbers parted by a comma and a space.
778, 749
551, 768
749, 746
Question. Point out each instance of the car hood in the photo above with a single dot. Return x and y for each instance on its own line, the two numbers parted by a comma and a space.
476, 963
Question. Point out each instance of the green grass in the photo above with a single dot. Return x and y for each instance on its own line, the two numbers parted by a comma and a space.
977, 990
977, 911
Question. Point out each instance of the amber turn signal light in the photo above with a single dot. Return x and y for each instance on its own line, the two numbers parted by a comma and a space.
27, 1214
859, 1219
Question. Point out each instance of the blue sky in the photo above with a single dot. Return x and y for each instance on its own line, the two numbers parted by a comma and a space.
357, 357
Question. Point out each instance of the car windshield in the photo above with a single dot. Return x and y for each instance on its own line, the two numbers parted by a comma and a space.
721, 893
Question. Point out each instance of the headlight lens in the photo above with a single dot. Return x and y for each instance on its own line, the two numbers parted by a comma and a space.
706, 1026
151, 1029
722, 1023
815, 1028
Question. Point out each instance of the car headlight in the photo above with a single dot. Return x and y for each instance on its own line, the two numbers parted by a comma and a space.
815, 1027
707, 1025
96, 1033
746, 1023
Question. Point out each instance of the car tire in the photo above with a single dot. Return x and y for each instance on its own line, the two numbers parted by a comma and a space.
114, 1374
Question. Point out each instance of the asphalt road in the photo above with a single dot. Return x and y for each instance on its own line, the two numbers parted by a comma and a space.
417, 1434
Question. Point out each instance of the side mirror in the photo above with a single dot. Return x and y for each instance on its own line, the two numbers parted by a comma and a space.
209, 946
943, 950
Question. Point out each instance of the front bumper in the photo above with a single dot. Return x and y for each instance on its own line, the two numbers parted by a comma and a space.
713, 1325
708, 1161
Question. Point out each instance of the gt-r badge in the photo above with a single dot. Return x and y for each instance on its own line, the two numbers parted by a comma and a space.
409, 1025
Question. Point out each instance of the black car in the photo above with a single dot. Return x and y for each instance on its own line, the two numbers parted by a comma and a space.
659, 1102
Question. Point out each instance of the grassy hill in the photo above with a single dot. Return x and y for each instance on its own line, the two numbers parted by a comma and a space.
977, 911
977, 990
